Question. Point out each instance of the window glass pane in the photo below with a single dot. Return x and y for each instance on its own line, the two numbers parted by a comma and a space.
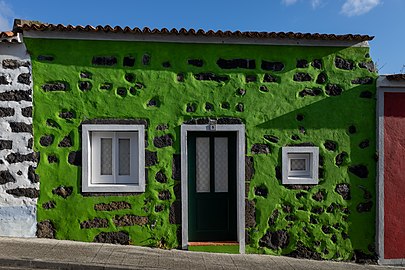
106, 156
298, 164
221, 164
124, 157
202, 164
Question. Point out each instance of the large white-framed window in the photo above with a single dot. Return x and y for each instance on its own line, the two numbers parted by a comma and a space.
113, 158
300, 165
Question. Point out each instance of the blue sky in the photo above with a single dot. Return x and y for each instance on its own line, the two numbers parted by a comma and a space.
382, 18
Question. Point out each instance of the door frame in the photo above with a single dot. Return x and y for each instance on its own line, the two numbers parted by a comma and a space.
383, 86
240, 177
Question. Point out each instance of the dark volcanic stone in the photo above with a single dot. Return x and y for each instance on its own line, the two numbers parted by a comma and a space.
104, 60
322, 78
236, 63
240, 92
287, 208
302, 77
161, 177
271, 138
128, 61
45, 58
130, 220
344, 191
360, 171
319, 196
260, 149
150, 158
304, 252
17, 157
368, 65
175, 213
330, 145
250, 78
367, 194
333, 90
66, 114
30, 143
166, 64
164, 195
343, 64
340, 158
209, 106
310, 92
3, 80
66, 142
63, 191
302, 63
366, 94
176, 167
263, 88
94, 223
361, 257
273, 218
275, 240
6, 144
49, 205
75, 158
53, 159
364, 207
196, 62
14, 64
159, 208
273, 66
6, 177
326, 229
106, 86
17, 95
163, 141
121, 238
85, 86
24, 78
250, 214
299, 117
269, 78
295, 137
365, 80
146, 59
45, 229
317, 210
240, 107
32, 176
162, 127
352, 129
121, 91
364, 144
317, 63
152, 103
4, 112
191, 107
249, 168
180, 77
129, 77
261, 191
225, 105
27, 111
278, 173
24, 192
85, 75
46, 140
20, 127
112, 206
55, 86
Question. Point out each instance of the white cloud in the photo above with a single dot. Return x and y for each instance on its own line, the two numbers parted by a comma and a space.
316, 3
358, 7
289, 2
6, 16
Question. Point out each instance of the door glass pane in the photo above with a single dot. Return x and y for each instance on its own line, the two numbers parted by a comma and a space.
298, 164
106, 156
124, 154
202, 164
221, 164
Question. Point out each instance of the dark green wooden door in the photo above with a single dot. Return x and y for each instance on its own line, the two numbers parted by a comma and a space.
212, 186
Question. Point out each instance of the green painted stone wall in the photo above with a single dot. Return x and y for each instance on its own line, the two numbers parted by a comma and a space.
285, 95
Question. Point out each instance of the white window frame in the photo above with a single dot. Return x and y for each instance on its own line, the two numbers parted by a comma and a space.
308, 176
91, 181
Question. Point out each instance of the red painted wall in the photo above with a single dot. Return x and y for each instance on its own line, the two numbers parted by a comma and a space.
394, 175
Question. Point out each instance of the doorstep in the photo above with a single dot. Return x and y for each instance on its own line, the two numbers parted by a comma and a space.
230, 247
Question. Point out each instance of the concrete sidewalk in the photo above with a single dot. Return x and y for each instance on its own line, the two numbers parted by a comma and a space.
55, 254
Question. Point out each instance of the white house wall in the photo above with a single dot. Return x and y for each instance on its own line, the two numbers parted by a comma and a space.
19, 186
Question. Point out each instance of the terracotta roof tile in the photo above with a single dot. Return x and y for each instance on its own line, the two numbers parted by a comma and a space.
23, 25
396, 77
9, 36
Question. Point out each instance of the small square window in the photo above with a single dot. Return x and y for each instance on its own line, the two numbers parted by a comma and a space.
300, 165
113, 158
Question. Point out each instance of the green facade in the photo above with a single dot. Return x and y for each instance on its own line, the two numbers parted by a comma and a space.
335, 113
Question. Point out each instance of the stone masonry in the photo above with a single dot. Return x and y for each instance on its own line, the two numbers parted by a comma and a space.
19, 185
